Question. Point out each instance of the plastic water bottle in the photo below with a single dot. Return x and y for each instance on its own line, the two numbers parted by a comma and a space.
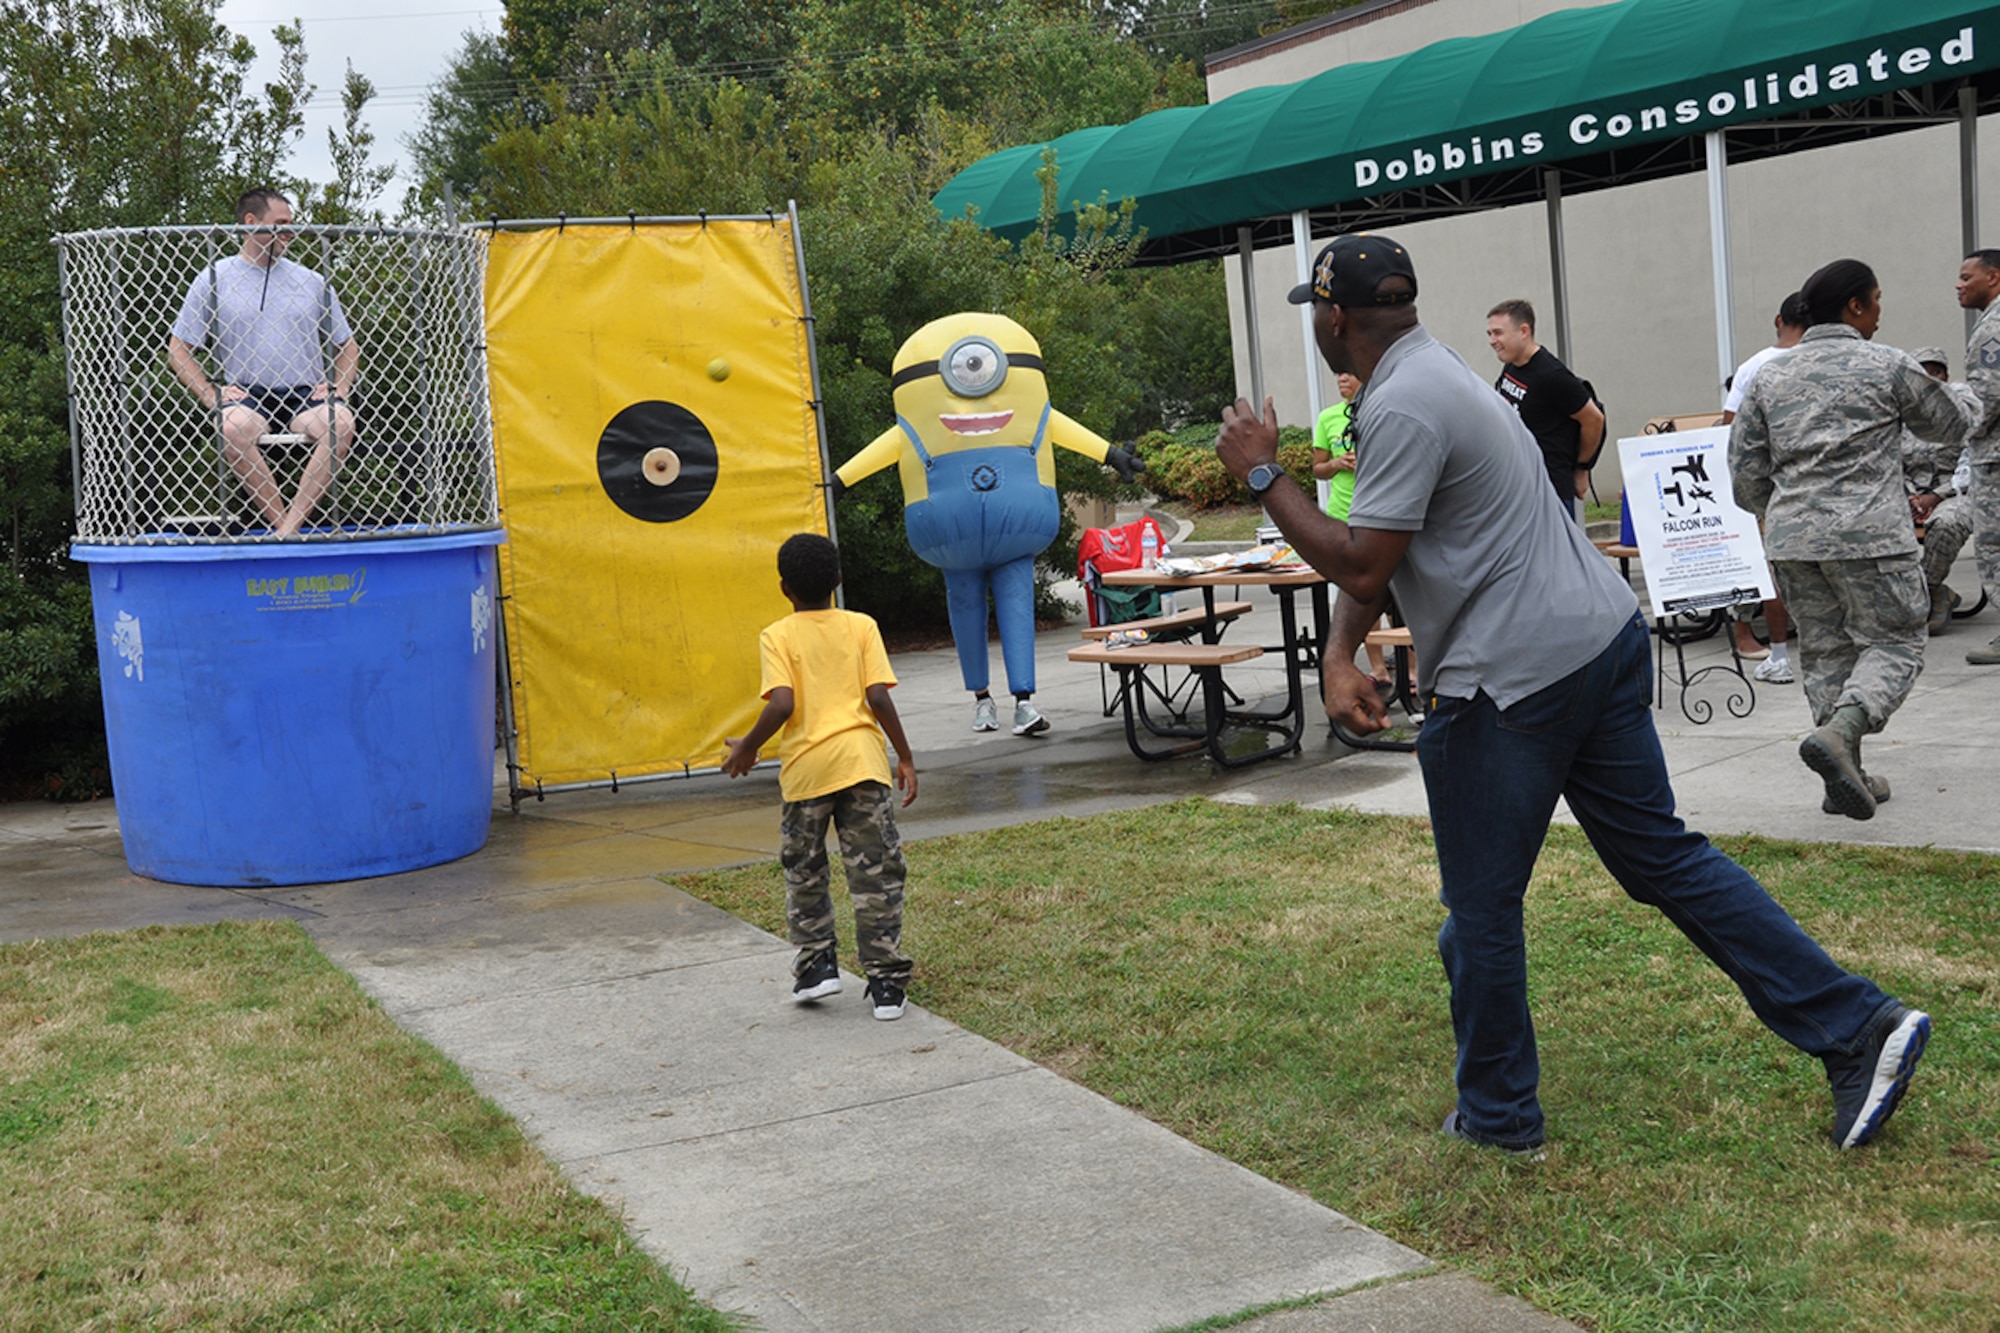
1149, 548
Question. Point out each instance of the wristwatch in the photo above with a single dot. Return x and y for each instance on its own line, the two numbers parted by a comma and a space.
1263, 477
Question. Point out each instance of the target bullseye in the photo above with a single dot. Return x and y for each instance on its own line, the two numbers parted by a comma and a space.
657, 461
662, 466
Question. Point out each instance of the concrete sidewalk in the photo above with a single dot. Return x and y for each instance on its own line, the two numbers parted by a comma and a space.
819, 1170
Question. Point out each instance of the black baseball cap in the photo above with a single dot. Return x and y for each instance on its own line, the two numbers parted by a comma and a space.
1350, 268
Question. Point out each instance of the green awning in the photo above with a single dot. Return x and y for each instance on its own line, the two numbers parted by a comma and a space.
1612, 94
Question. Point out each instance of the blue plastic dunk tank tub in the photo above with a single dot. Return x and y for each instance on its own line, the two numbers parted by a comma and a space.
297, 714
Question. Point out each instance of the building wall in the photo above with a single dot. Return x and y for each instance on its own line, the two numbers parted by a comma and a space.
1642, 307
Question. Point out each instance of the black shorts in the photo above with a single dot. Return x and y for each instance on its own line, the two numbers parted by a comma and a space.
279, 406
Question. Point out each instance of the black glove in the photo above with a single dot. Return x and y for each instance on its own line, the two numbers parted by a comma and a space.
1124, 462
835, 488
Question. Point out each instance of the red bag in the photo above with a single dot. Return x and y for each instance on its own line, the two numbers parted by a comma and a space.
1103, 550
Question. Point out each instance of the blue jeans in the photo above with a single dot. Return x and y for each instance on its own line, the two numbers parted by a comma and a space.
1493, 776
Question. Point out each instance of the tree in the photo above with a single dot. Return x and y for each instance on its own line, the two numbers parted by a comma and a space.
716, 147
877, 108
112, 113
1026, 69
1190, 30
357, 182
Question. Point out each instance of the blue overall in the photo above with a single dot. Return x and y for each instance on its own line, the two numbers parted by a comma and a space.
987, 517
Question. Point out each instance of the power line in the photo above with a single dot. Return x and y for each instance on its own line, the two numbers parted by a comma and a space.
358, 18
961, 52
968, 52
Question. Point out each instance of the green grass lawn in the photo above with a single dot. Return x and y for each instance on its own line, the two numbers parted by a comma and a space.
1264, 981
212, 1127
1220, 523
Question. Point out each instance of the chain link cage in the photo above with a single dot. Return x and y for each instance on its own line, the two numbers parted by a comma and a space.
244, 384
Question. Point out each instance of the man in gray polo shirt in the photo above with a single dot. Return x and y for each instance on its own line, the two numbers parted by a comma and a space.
265, 320
1537, 675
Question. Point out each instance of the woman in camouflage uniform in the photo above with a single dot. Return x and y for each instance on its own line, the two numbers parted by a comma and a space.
1816, 453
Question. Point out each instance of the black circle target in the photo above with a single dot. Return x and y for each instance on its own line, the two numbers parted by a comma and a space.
649, 428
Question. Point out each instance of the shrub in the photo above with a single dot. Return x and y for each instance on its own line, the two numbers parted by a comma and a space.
1181, 465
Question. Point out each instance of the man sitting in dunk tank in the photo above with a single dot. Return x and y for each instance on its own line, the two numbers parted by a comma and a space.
265, 319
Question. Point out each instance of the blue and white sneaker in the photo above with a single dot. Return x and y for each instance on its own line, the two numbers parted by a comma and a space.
1028, 720
1868, 1085
985, 717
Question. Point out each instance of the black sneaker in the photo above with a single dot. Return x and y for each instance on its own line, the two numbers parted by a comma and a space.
1867, 1086
820, 978
1529, 1149
888, 997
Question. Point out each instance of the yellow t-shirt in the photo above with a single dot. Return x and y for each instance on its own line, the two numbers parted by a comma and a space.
828, 659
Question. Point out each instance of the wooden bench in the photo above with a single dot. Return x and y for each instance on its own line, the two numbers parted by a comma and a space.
1192, 619
1180, 627
1396, 639
1206, 660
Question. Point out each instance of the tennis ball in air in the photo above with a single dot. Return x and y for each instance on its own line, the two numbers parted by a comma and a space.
718, 370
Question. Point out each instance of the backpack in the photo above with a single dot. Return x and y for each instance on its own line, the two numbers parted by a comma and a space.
1103, 550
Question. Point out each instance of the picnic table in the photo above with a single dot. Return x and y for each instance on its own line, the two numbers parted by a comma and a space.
1207, 658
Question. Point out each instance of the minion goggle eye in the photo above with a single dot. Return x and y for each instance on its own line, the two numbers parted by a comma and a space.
972, 367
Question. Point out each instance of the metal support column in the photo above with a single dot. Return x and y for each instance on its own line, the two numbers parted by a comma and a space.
1558, 262
1968, 181
1718, 242
1302, 251
1246, 254
1302, 237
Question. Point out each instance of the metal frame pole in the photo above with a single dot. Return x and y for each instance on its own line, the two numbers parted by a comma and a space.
812, 372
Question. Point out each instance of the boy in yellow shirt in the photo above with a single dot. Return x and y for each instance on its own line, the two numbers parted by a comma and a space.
826, 682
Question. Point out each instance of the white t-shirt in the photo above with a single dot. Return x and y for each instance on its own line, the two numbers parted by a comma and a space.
1740, 381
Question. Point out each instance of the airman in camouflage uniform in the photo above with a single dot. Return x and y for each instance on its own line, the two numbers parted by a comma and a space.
1978, 286
1931, 475
1816, 452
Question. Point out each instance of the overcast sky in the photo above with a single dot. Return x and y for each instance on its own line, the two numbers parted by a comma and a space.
401, 50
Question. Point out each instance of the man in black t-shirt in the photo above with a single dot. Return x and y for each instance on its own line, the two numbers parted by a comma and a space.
1555, 405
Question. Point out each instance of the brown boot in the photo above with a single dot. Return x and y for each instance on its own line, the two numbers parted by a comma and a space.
1834, 752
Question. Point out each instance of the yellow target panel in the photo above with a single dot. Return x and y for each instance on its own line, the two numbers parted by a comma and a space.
653, 421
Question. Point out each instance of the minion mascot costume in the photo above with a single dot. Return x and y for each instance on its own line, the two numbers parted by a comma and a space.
972, 440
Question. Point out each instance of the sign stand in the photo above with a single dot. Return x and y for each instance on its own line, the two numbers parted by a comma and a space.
1700, 553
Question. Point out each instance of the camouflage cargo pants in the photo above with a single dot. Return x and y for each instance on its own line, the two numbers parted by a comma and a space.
1944, 537
1985, 500
1861, 630
871, 852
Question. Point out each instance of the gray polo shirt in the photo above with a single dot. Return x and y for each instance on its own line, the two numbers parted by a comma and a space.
1502, 591
267, 325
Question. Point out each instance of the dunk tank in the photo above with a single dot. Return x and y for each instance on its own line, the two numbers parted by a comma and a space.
296, 690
